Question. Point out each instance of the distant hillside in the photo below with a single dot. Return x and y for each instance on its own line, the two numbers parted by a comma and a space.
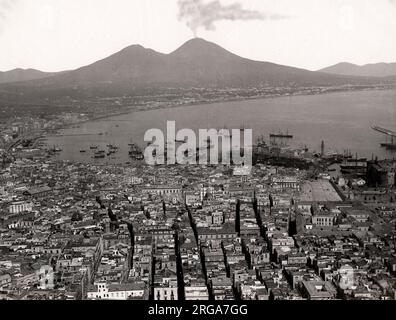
197, 63
368, 70
18, 75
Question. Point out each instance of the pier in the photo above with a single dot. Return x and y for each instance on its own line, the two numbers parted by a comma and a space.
387, 132
77, 134
384, 131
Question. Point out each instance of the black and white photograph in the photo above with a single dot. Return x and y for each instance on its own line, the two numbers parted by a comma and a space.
216, 152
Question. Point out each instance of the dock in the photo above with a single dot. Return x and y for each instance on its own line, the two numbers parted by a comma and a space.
387, 132
384, 131
390, 146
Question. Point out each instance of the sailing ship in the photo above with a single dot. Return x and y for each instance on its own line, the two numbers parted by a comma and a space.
135, 152
281, 134
55, 149
99, 154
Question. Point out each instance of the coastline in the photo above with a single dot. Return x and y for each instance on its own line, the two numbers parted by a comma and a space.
136, 109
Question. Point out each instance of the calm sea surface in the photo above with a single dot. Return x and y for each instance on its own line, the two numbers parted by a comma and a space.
342, 120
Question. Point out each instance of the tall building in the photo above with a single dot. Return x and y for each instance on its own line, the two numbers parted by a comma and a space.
381, 173
20, 206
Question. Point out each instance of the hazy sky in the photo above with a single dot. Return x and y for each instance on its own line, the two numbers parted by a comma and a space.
53, 35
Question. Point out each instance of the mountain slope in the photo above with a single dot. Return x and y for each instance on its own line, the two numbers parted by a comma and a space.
133, 62
197, 63
18, 75
368, 70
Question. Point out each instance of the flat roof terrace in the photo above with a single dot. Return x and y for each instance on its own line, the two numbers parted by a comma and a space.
318, 190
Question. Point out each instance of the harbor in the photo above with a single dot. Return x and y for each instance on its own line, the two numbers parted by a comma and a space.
297, 114
388, 134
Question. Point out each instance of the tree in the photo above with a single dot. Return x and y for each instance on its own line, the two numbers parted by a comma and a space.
96, 216
77, 216
164, 207
238, 217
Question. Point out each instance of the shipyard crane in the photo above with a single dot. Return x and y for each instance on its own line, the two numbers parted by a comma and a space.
388, 133
384, 131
